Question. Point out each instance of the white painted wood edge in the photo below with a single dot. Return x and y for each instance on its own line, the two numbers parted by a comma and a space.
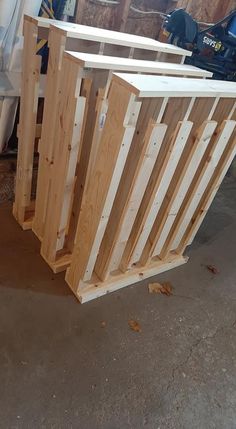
166, 86
108, 36
130, 64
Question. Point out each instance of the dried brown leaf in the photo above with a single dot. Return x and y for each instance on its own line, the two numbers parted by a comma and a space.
134, 325
212, 269
164, 288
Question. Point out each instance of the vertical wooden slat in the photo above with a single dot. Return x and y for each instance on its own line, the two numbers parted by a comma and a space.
144, 129
57, 41
28, 114
68, 131
203, 139
88, 151
149, 112
202, 174
175, 112
201, 107
114, 143
133, 203
213, 185
198, 186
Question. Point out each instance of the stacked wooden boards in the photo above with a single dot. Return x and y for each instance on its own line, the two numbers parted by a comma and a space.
63, 36
164, 150
128, 166
79, 124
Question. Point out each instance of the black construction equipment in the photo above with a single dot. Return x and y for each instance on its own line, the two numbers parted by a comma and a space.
214, 48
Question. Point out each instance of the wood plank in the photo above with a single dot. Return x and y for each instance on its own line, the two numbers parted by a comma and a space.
179, 141
68, 131
209, 194
130, 64
175, 111
28, 113
144, 129
101, 35
148, 161
201, 110
120, 280
204, 137
107, 36
198, 186
224, 109
47, 144
88, 151
114, 139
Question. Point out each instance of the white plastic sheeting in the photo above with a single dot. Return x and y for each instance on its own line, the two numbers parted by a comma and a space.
11, 44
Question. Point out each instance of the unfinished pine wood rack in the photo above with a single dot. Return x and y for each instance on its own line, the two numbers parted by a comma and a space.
82, 105
64, 36
164, 149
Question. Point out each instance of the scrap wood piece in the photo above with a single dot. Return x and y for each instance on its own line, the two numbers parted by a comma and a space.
164, 288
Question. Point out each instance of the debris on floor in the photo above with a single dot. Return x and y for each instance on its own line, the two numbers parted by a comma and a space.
165, 288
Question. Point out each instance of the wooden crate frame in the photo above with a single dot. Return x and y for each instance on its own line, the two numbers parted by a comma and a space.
167, 144
56, 212
70, 36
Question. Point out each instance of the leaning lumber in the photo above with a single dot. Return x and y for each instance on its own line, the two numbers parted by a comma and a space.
81, 110
77, 38
166, 145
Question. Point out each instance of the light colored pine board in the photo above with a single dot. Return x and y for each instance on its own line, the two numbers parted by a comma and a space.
224, 134
90, 291
67, 135
224, 109
47, 144
88, 150
28, 113
175, 111
150, 110
94, 201
196, 110
118, 170
202, 108
134, 202
209, 194
203, 141
179, 140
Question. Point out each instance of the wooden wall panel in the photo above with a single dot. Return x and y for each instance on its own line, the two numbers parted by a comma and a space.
207, 10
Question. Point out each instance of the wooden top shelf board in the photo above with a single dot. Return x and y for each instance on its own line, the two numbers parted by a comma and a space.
117, 63
162, 86
114, 37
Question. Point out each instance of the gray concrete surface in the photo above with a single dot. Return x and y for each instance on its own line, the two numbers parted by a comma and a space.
60, 369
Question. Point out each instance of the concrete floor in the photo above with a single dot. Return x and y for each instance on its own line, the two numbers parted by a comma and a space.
60, 369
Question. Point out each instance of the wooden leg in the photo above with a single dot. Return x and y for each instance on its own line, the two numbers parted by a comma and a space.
27, 127
97, 203
68, 132
57, 43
